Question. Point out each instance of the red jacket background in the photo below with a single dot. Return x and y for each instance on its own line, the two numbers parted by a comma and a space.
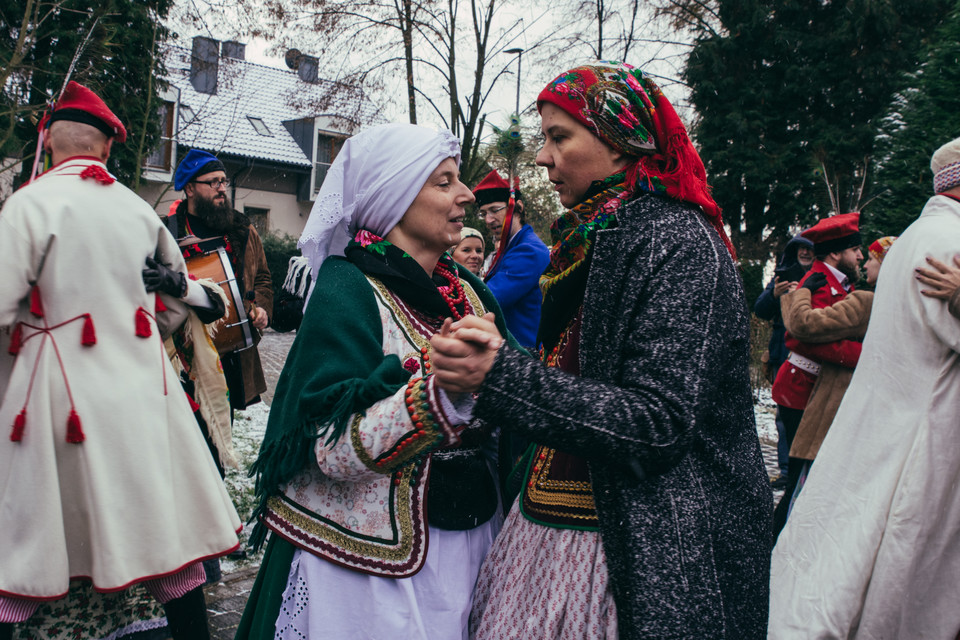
793, 385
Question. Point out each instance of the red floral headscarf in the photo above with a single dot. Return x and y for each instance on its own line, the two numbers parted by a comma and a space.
627, 110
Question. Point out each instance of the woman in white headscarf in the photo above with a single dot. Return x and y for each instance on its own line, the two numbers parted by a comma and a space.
358, 427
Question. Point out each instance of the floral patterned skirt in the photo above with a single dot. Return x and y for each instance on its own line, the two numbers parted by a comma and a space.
84, 613
543, 582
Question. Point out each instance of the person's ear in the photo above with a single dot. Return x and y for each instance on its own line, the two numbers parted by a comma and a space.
107, 146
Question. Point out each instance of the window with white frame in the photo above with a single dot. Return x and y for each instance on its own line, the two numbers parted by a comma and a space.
328, 146
162, 157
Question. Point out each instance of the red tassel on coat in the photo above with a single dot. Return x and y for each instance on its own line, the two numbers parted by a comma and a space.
36, 307
143, 324
159, 307
16, 435
16, 339
193, 403
89, 336
74, 430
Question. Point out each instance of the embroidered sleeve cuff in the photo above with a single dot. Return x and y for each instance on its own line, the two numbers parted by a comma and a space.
431, 427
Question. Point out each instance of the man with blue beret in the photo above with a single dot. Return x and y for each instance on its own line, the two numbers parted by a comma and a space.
206, 212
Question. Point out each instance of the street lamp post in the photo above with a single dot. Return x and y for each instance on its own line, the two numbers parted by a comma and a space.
519, 53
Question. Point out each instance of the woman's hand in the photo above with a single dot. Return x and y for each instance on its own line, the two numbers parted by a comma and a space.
464, 351
943, 282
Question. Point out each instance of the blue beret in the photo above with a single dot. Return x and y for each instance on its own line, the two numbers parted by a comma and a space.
195, 163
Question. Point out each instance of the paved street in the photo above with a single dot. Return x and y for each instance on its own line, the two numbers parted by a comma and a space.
225, 600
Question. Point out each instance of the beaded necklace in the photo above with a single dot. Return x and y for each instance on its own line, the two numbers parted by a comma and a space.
452, 293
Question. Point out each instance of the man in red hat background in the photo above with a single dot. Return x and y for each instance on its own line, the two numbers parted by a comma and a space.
105, 477
836, 245
845, 319
514, 278
871, 547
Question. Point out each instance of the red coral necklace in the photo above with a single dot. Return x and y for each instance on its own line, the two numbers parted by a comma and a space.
452, 292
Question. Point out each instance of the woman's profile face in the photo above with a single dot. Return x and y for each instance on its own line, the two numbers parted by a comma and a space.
573, 156
434, 220
469, 253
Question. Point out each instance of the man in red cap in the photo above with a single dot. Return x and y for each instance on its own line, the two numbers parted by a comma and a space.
105, 476
836, 245
871, 550
514, 277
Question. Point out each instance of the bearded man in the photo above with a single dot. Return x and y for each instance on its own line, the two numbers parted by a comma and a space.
836, 245
206, 212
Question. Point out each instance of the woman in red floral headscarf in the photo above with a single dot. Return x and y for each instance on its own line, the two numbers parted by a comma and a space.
644, 509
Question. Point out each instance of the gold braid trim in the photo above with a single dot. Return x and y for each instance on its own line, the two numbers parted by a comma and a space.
409, 331
473, 299
357, 443
401, 514
575, 494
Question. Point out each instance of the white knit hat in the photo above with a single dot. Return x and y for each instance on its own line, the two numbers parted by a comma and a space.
945, 165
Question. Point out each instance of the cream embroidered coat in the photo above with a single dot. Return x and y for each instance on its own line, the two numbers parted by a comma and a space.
140, 496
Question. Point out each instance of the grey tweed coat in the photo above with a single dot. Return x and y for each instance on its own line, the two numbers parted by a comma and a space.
664, 415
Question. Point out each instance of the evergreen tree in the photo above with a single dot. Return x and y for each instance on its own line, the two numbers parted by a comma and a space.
38, 41
788, 89
920, 120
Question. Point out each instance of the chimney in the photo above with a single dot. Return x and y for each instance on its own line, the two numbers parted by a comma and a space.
307, 69
233, 50
204, 64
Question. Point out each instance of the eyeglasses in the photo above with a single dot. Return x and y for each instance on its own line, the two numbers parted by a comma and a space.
492, 212
215, 183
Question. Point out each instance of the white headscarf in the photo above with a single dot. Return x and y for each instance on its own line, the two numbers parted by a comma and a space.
371, 184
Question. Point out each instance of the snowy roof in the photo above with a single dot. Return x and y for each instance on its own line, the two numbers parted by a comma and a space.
246, 115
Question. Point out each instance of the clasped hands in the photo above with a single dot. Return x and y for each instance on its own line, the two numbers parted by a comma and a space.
464, 351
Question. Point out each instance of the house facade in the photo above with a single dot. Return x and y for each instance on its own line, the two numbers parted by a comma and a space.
275, 130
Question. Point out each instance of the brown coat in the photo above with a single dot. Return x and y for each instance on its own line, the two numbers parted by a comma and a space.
846, 319
256, 278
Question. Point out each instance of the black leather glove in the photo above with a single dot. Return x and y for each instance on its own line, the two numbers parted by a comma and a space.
159, 277
815, 281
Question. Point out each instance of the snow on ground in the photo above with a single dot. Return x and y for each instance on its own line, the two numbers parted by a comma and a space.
248, 429
765, 410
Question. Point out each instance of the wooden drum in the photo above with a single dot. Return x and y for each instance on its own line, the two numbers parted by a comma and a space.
235, 332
